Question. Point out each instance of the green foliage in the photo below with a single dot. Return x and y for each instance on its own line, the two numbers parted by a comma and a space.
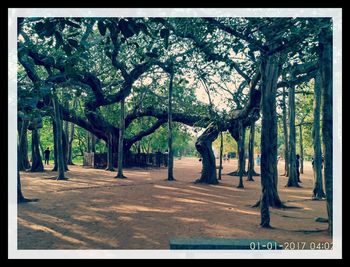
183, 141
229, 144
201, 52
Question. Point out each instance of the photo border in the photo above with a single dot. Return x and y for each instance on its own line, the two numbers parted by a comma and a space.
335, 13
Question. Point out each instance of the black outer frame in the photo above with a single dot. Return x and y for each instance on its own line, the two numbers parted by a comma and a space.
127, 4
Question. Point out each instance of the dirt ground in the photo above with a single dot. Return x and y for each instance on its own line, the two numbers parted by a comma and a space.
93, 210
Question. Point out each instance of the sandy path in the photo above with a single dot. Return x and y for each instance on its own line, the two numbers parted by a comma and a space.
92, 210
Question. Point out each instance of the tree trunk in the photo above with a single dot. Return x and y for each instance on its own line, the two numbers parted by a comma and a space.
66, 136
170, 130
264, 203
240, 139
245, 155
71, 136
88, 146
70, 145
301, 148
20, 197
270, 70
65, 149
37, 163
327, 115
54, 132
221, 149
121, 140
251, 171
110, 153
318, 192
204, 147
58, 124
23, 161
285, 135
41, 148
93, 143
241, 153
292, 179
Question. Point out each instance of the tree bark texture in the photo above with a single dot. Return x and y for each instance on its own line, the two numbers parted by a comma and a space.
204, 147
270, 69
121, 140
221, 149
59, 145
318, 192
241, 153
110, 153
301, 148
285, 134
251, 171
70, 144
292, 179
37, 163
54, 132
23, 161
327, 118
170, 130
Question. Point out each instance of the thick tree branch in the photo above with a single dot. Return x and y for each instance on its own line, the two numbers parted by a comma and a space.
191, 120
205, 49
296, 81
256, 45
129, 142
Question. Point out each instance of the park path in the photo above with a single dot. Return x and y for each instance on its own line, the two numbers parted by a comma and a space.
92, 210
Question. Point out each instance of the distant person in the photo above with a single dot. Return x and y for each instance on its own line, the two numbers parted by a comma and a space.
47, 155
258, 160
297, 164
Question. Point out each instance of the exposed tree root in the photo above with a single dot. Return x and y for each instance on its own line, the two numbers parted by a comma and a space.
61, 179
321, 220
200, 181
266, 226
275, 205
120, 177
236, 173
295, 186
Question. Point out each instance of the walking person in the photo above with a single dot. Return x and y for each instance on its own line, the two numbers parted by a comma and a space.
47, 155
258, 160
